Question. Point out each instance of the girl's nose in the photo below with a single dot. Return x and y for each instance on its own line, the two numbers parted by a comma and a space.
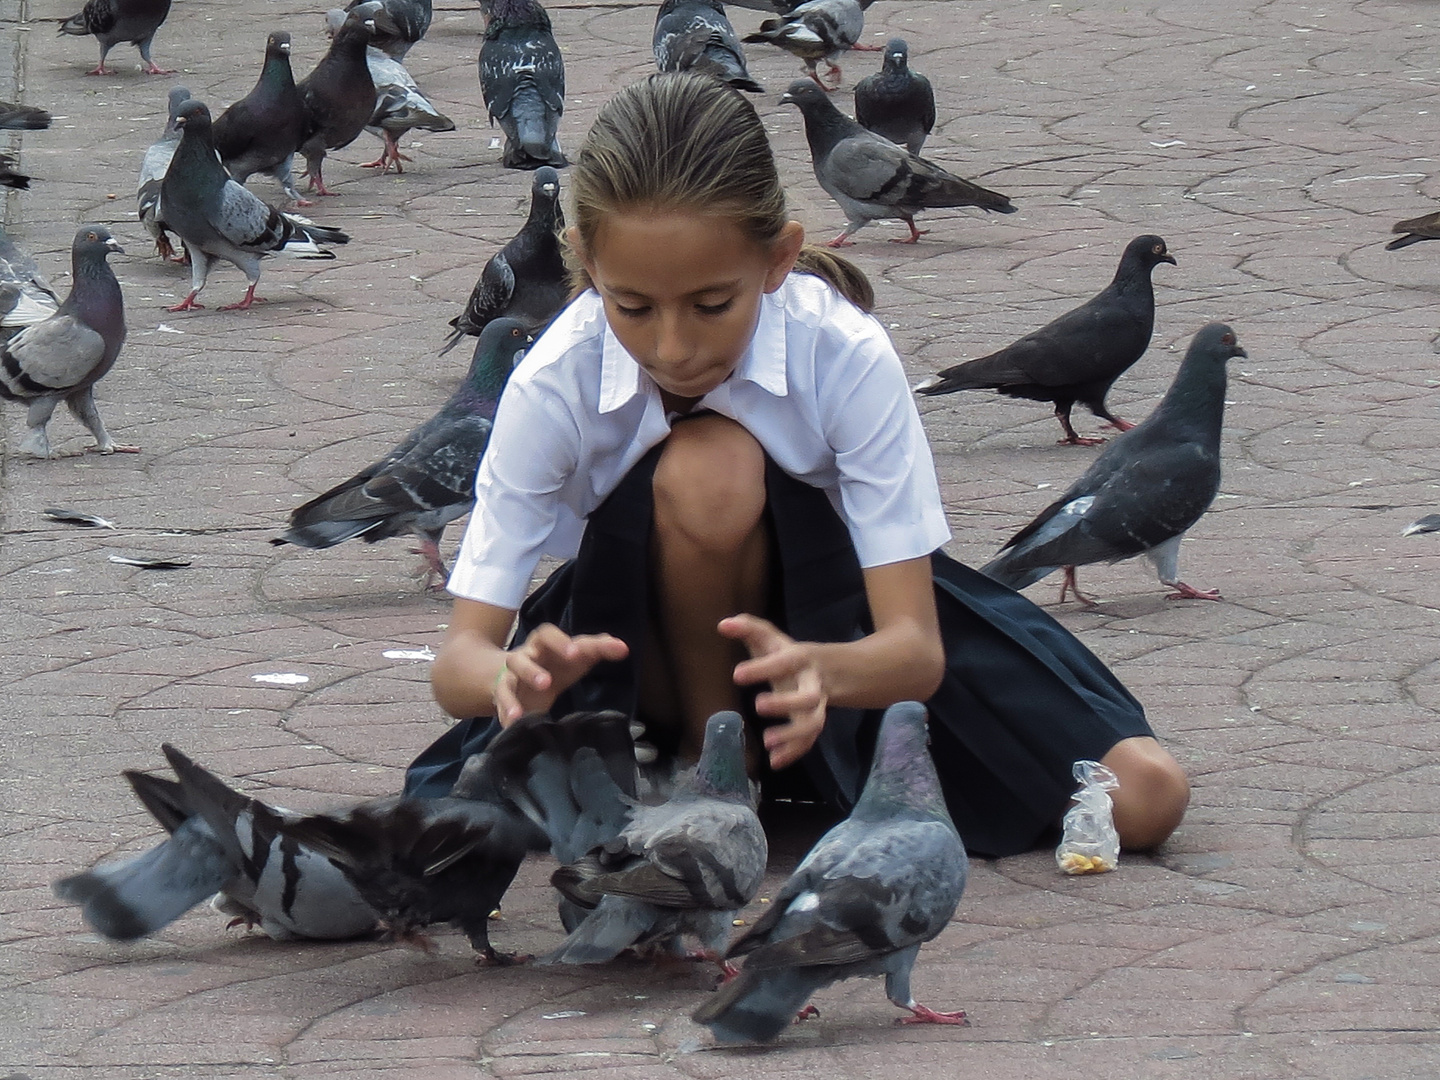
672, 340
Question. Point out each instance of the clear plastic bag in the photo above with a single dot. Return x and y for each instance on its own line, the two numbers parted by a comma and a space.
1090, 844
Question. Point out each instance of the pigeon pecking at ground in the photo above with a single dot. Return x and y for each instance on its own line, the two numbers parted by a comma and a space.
871, 177
896, 102
222, 844
339, 95
1426, 227
114, 21
428, 480
1143, 492
526, 279
152, 171
1078, 356
62, 358
522, 79
683, 868
25, 295
696, 35
875, 888
818, 30
260, 132
219, 219
406, 23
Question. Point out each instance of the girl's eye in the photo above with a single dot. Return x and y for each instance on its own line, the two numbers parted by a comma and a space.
631, 312
714, 309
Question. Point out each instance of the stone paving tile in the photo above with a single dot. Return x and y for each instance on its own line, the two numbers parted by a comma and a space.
1288, 930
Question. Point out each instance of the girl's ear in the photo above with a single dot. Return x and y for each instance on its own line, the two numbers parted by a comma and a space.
784, 250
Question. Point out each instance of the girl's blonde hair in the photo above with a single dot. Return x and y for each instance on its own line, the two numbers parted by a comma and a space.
680, 141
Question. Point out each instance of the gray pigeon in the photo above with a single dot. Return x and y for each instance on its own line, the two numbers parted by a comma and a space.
696, 35
818, 30
1144, 490
114, 21
406, 23
681, 868
896, 102
875, 888
22, 117
527, 278
1078, 356
339, 95
221, 842
428, 480
152, 172
871, 177
62, 358
25, 295
260, 132
219, 219
1425, 227
522, 79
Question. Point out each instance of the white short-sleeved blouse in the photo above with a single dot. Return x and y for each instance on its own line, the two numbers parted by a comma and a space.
820, 387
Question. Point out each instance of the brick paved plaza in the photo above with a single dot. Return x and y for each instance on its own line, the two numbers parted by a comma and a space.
1290, 929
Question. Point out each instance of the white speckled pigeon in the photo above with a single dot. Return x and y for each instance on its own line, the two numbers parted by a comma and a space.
260, 132
339, 95
818, 30
522, 78
428, 480
406, 23
114, 21
871, 177
25, 295
875, 888
1078, 356
696, 35
152, 172
219, 219
62, 358
1143, 492
526, 279
681, 868
896, 102
221, 842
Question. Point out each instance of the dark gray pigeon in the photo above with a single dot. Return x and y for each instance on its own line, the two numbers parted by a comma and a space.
875, 888
428, 480
219, 219
152, 171
22, 117
261, 132
526, 279
696, 35
62, 358
1078, 356
406, 23
818, 30
871, 177
1427, 524
221, 842
896, 102
9, 177
339, 96
25, 295
114, 21
1426, 227
1143, 492
522, 79
682, 868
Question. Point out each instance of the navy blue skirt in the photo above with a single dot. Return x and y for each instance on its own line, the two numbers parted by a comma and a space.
1022, 699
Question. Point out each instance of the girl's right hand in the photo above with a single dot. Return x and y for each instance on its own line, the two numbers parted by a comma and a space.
545, 665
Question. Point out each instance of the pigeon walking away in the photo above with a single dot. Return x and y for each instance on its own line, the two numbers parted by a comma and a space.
261, 132
1426, 227
875, 888
522, 79
696, 35
871, 177
219, 219
62, 358
818, 30
339, 95
221, 842
896, 102
681, 868
526, 279
400, 107
428, 480
540, 785
152, 171
1078, 356
405, 24
26, 297
22, 117
1143, 492
114, 21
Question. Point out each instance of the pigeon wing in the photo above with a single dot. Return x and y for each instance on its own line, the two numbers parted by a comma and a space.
57, 355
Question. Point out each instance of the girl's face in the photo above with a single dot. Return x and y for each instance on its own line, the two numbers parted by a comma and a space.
682, 291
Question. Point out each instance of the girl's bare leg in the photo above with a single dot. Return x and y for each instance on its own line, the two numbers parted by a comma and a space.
1153, 792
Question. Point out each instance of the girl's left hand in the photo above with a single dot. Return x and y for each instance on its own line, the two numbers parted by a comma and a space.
797, 691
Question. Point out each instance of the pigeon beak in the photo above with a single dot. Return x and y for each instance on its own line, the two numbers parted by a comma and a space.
549, 189
285, 48
370, 25
114, 245
1168, 258
786, 98
1240, 353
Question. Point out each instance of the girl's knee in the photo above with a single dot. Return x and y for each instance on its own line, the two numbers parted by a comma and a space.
1153, 795
709, 483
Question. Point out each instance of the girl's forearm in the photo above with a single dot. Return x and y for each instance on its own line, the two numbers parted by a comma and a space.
902, 662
